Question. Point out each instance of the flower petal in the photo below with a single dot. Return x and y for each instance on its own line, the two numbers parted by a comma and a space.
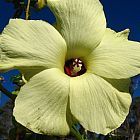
116, 57
81, 22
96, 104
41, 105
31, 46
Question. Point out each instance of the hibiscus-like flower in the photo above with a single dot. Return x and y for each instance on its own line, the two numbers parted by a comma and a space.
78, 72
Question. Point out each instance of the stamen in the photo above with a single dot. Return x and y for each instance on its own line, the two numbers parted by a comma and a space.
74, 67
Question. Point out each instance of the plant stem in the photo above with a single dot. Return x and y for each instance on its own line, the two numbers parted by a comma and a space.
77, 134
27, 9
7, 93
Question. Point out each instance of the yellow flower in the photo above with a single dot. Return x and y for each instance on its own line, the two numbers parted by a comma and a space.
81, 70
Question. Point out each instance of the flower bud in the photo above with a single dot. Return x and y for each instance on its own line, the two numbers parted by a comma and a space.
41, 3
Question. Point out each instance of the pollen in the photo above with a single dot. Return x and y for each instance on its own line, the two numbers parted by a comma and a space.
74, 67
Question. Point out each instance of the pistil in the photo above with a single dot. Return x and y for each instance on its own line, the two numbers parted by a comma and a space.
74, 67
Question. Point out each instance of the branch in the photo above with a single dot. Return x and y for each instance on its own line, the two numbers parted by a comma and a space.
7, 93
27, 10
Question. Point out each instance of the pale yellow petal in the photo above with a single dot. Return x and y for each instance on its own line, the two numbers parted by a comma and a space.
116, 57
31, 46
81, 22
97, 105
41, 105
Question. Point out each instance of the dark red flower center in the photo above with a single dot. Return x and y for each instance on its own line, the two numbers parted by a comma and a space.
74, 67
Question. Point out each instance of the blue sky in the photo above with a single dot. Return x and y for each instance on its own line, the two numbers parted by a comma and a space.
120, 14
